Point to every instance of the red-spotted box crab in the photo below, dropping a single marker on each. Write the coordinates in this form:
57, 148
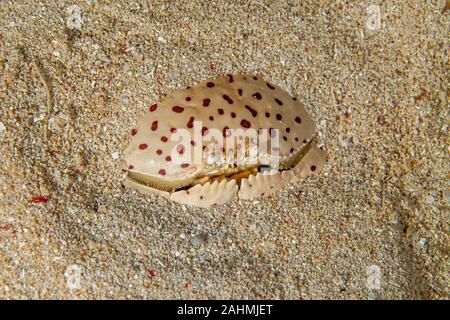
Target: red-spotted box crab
235, 135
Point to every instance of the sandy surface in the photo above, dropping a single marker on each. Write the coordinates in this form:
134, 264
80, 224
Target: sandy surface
71, 90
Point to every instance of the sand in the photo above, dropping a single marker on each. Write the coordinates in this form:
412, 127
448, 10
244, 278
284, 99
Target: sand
75, 76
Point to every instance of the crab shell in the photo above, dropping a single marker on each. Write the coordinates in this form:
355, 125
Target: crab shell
160, 162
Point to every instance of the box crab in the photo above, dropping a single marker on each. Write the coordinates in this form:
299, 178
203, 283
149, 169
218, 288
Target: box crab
217, 158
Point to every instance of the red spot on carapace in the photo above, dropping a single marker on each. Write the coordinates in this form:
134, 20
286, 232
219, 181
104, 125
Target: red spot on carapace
188, 99
230, 78
164, 139
240, 92
298, 120
220, 111
227, 99
211, 118
233, 115
288, 129
168, 158
252, 111
130, 167
184, 165
177, 109
210, 84
162, 172
257, 96
190, 123
154, 125
270, 86
173, 130
313, 168
143, 146
206, 102
245, 123
159, 151
153, 107
133, 132
278, 101
279, 117
267, 115
204, 131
